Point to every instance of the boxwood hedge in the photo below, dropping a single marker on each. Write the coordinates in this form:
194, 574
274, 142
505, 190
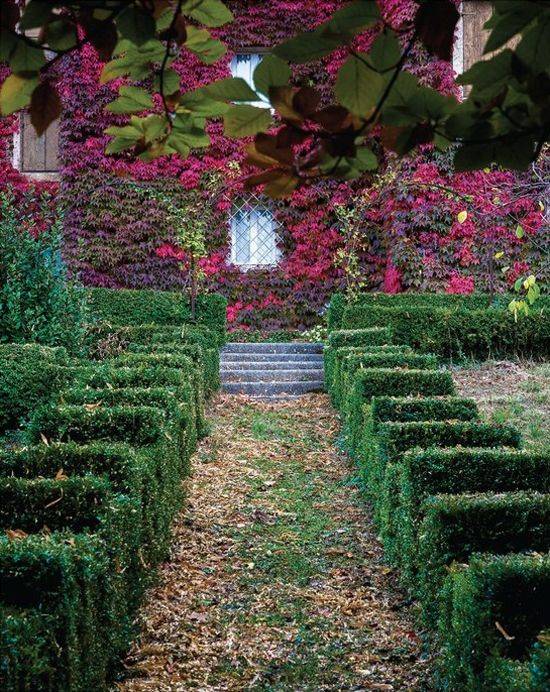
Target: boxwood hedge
379, 336
455, 526
494, 610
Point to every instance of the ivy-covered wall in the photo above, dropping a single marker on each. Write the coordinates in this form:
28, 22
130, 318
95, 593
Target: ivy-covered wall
409, 232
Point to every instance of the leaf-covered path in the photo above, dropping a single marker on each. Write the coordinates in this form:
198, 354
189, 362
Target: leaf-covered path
276, 581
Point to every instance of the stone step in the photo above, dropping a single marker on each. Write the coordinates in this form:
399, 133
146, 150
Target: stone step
264, 375
270, 389
290, 347
227, 358
271, 365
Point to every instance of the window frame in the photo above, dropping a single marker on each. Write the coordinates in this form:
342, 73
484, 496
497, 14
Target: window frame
250, 204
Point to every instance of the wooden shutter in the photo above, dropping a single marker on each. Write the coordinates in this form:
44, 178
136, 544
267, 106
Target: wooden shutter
39, 154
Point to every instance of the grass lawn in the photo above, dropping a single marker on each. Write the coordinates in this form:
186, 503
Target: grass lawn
511, 392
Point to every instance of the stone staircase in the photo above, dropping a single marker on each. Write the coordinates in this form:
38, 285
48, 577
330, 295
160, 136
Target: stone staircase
272, 371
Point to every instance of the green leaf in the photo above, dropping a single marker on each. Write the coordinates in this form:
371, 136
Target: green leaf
16, 93
61, 35
136, 25
271, 72
245, 120
190, 134
519, 232
176, 143
489, 75
462, 216
473, 157
309, 46
26, 58
119, 144
7, 43
534, 47
358, 88
153, 126
354, 17
230, 89
516, 153
507, 26
37, 14
200, 42
385, 52
211, 13
170, 83
202, 105
131, 100
366, 159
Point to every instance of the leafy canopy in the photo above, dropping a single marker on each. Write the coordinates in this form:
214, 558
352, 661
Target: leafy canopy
505, 119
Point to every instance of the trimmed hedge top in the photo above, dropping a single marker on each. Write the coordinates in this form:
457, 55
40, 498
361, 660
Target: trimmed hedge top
142, 306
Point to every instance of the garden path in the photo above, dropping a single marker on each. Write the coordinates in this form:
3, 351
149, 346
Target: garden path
276, 580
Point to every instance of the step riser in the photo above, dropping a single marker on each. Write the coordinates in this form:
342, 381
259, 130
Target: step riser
271, 357
271, 388
227, 366
272, 375
273, 348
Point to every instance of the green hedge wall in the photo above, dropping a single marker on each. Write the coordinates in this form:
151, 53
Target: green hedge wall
513, 591
455, 526
29, 376
444, 486
378, 336
142, 306
458, 332
371, 382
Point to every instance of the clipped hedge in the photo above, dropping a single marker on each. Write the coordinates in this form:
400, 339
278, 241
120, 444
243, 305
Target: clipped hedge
143, 375
513, 591
372, 382
143, 306
458, 332
343, 378
427, 472
455, 526
407, 409
341, 353
30, 375
379, 456
379, 336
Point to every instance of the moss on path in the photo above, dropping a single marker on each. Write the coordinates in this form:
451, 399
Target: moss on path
276, 581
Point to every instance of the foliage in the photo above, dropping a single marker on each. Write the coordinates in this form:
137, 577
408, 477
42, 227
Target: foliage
502, 121
37, 302
457, 332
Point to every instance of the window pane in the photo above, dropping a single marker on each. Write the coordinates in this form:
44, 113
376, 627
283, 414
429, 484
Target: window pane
253, 235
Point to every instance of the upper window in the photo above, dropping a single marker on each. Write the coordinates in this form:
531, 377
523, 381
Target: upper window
254, 234
243, 66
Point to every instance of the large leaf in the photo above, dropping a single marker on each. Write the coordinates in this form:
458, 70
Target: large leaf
435, 24
25, 58
534, 48
309, 46
230, 89
211, 13
131, 100
505, 26
136, 24
201, 105
355, 17
200, 42
358, 87
245, 120
16, 92
45, 106
271, 72
36, 14
489, 75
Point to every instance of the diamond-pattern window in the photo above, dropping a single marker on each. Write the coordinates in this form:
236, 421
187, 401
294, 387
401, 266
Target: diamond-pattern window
254, 233
243, 66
